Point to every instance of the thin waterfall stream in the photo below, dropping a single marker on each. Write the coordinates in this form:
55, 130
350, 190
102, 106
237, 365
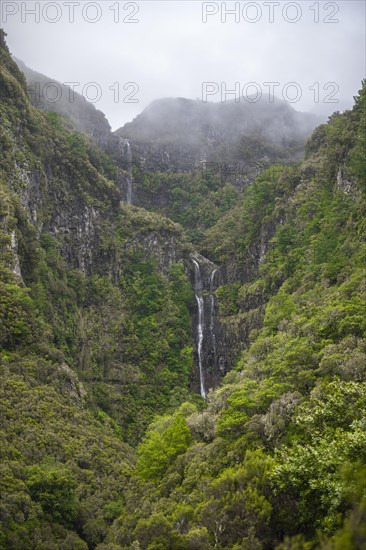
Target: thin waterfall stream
200, 325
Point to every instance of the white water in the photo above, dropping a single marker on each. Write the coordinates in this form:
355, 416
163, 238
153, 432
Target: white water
212, 312
200, 304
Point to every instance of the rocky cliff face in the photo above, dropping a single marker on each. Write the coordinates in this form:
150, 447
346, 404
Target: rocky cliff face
220, 337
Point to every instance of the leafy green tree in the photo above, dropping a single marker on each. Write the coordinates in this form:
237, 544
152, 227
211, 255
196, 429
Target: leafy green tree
162, 445
53, 486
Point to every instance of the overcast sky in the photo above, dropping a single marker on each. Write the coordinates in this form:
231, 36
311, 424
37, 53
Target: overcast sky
140, 51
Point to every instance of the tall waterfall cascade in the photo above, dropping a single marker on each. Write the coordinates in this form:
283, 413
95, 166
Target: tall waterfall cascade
205, 283
200, 304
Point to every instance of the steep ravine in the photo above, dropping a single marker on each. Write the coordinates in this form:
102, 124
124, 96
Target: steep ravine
92, 239
81, 227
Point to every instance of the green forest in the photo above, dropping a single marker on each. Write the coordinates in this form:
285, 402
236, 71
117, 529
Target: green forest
105, 442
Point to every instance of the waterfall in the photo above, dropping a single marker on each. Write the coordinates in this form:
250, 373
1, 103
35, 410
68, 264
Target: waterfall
212, 312
206, 280
200, 304
129, 178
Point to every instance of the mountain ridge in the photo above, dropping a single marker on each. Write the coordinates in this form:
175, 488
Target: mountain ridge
167, 109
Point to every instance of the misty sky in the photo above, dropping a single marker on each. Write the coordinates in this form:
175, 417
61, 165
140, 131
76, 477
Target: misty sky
170, 52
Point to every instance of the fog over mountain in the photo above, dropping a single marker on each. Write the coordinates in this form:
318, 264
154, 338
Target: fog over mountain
169, 49
186, 131
176, 118
181, 119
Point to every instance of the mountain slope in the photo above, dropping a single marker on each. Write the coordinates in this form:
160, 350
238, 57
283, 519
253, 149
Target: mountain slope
187, 131
50, 95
